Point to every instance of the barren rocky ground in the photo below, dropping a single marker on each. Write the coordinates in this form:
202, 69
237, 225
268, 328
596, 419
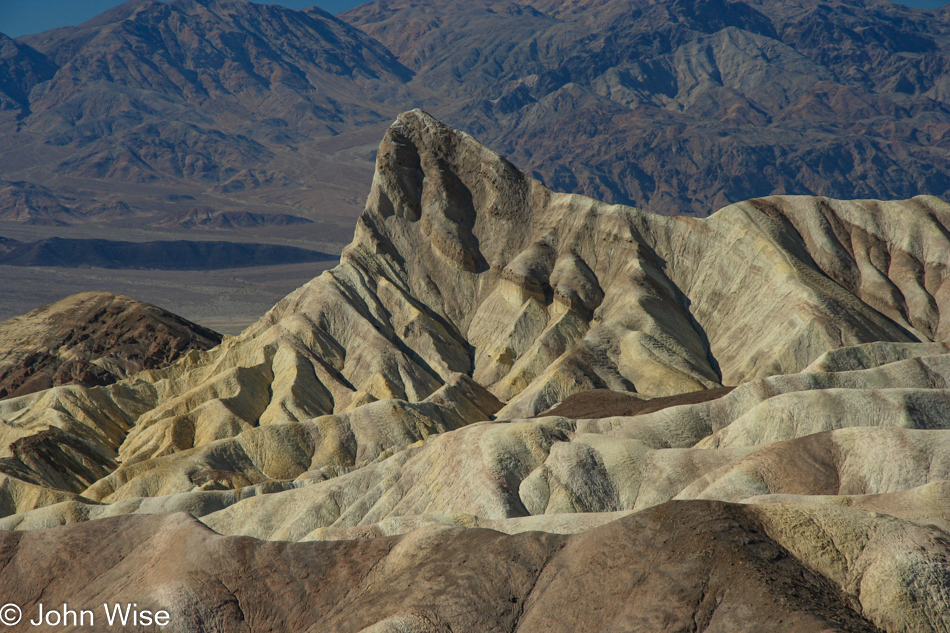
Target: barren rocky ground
411, 441
679, 362
92, 339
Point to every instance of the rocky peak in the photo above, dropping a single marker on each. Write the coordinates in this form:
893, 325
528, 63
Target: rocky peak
515, 267
21, 68
200, 49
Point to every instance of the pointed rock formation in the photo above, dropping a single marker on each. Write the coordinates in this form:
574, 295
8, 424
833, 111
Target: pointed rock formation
462, 265
400, 393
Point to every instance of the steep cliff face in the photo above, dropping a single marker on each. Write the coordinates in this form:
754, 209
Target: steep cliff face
396, 392
553, 290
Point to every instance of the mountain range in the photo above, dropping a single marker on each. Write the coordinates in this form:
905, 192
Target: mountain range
440, 434
155, 100
679, 362
687, 106
674, 107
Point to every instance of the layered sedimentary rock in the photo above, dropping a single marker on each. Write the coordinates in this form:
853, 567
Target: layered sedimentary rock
93, 338
424, 386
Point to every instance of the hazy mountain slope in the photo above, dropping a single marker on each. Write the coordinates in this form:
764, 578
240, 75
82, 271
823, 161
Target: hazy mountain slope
228, 57
688, 106
222, 100
209, 218
34, 204
673, 106
21, 68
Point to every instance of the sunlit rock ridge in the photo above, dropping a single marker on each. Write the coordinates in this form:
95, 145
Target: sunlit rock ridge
407, 387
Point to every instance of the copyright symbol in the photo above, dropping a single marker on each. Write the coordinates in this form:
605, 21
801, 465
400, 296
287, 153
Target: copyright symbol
10, 614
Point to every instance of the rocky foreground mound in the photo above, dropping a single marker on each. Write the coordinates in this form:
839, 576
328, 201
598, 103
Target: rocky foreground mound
389, 405
92, 338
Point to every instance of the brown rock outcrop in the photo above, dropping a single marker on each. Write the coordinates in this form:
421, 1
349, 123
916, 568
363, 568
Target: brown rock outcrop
92, 338
687, 564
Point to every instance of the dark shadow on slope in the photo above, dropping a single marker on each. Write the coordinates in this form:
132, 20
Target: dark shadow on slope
162, 255
604, 403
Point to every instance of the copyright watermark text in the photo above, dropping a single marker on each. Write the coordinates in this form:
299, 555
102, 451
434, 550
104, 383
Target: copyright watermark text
10, 614
129, 614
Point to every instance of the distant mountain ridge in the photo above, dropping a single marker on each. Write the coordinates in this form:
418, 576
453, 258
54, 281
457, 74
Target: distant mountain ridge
21, 68
199, 96
214, 219
676, 107
688, 105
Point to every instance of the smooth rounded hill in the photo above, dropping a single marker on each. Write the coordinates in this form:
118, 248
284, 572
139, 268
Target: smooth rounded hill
604, 403
92, 338
711, 567
208, 218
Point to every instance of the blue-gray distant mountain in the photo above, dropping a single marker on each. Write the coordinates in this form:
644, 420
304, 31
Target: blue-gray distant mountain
679, 106
21, 68
193, 96
686, 105
161, 255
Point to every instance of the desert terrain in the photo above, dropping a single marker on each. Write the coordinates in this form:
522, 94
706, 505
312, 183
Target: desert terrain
410, 442
154, 113
482, 316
